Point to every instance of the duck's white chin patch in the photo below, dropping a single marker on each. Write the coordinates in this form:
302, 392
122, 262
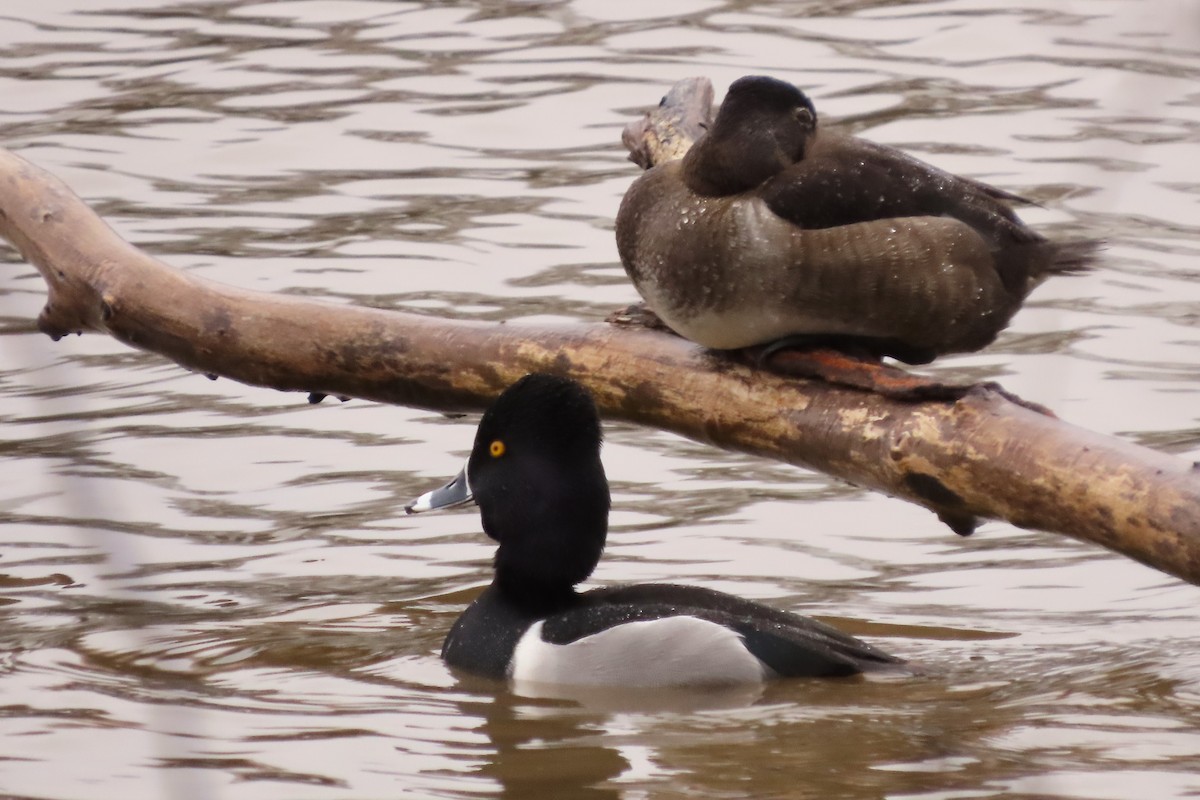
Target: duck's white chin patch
674, 651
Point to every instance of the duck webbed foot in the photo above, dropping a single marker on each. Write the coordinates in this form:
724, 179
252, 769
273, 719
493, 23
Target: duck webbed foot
638, 315
852, 362
858, 364
857, 369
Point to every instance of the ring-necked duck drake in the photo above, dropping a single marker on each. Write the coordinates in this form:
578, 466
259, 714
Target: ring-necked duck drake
536, 474
771, 227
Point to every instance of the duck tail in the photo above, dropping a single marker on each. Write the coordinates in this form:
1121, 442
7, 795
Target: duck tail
1074, 256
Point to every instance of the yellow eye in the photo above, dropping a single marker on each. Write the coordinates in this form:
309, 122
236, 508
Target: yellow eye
496, 448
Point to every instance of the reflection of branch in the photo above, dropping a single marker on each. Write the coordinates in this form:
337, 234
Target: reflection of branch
981, 456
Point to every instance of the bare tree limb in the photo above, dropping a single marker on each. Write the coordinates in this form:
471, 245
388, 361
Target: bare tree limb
981, 456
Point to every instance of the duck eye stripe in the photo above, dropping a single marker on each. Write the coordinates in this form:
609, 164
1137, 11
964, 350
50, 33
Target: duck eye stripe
496, 448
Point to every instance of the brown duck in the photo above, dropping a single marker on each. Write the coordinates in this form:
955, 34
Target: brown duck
772, 228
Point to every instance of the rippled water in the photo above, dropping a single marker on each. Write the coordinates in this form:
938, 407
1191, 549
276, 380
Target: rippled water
209, 590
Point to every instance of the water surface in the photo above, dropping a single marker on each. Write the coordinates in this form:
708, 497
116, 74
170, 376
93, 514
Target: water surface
209, 590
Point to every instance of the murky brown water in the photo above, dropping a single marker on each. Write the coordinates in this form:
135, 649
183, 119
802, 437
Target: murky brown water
209, 590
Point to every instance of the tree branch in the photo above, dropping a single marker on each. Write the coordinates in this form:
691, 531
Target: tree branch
981, 456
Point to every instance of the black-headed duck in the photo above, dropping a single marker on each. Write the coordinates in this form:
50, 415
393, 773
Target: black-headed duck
535, 472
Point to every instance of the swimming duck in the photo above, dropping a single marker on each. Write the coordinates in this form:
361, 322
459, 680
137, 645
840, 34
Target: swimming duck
772, 227
535, 472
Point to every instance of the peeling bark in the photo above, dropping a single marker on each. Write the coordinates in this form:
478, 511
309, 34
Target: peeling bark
981, 456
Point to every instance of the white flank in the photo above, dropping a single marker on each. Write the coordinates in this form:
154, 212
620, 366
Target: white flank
675, 651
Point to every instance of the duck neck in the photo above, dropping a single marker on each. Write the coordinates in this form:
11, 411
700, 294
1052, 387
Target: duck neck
547, 547
532, 597
547, 562
721, 163
719, 166
710, 171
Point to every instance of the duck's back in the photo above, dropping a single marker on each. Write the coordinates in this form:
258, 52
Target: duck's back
787, 644
668, 635
843, 179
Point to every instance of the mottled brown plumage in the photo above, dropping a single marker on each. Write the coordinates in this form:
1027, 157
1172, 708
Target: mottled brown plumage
772, 227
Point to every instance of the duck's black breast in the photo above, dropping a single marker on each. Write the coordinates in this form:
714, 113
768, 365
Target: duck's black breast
483, 638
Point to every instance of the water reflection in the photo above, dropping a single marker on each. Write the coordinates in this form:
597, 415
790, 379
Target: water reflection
544, 750
219, 579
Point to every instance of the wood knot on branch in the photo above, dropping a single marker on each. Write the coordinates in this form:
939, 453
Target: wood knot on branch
72, 306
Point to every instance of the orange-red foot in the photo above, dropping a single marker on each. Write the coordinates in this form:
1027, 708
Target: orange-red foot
867, 372
859, 372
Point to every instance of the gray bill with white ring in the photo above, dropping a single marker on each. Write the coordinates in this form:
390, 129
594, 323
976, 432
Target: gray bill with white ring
455, 493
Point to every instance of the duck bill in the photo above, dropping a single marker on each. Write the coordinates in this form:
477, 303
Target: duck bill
455, 493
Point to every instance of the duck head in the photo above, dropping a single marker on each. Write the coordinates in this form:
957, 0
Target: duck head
536, 474
764, 125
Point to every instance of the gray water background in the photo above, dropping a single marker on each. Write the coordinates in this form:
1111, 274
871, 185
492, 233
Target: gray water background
209, 590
